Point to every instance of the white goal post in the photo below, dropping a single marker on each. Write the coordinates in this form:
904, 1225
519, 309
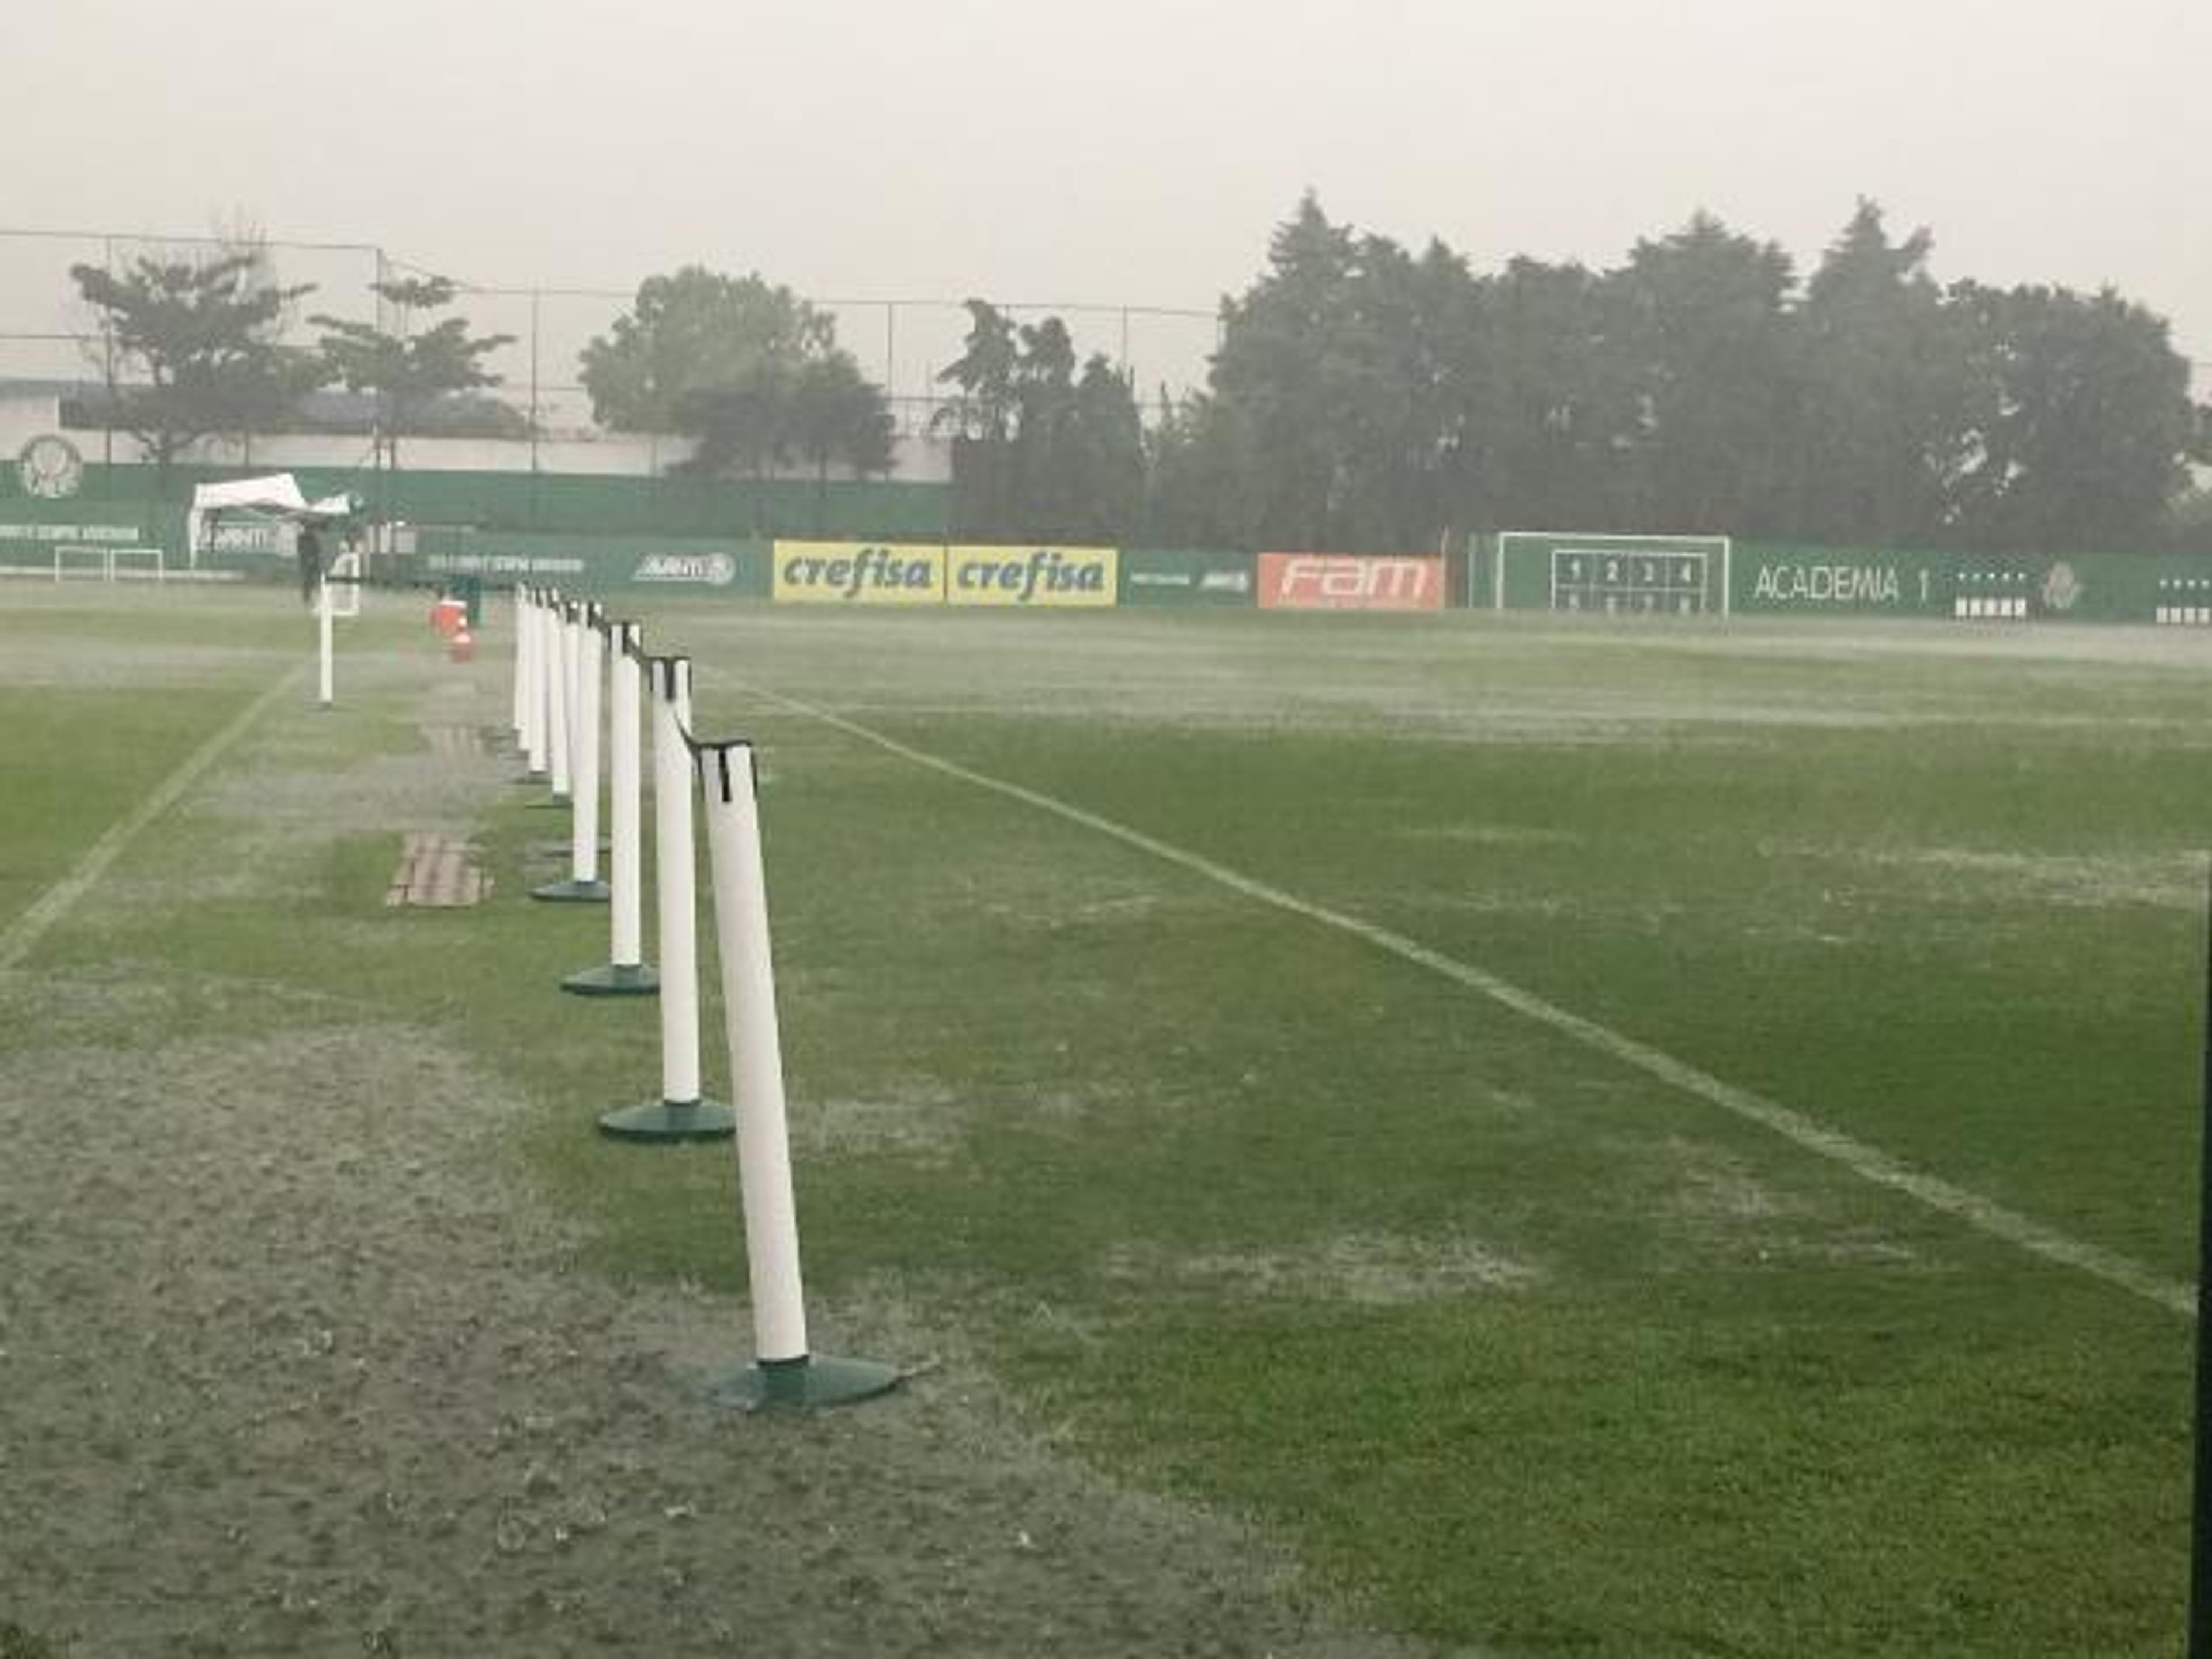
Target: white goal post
1610, 573
99, 559
103, 561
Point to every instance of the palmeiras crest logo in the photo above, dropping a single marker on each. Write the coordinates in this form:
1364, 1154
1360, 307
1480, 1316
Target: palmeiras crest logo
50, 467
2062, 588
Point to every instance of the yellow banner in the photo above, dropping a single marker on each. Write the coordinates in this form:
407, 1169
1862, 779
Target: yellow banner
859, 573
1030, 575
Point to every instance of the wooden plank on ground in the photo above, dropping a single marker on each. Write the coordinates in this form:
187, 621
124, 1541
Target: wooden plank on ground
436, 871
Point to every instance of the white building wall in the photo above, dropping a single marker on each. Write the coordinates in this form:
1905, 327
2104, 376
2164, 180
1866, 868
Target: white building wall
25, 417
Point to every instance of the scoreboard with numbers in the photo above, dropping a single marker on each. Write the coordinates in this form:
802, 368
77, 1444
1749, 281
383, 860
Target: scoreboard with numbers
1610, 573
1610, 581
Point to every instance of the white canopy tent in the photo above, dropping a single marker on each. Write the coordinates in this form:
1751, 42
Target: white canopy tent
277, 496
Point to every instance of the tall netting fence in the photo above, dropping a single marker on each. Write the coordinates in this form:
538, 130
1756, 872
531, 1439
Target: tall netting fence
903, 344
53, 343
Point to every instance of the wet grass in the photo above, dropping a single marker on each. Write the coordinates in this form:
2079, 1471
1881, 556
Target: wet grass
1732, 1398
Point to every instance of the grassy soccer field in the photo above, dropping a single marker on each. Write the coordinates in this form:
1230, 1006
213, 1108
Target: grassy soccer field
1602, 1139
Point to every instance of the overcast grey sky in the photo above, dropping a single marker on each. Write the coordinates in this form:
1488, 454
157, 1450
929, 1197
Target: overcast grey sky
1135, 153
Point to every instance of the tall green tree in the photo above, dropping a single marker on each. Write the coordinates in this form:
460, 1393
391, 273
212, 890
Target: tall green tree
1044, 483
1041, 452
1349, 379
1414, 369
1294, 377
744, 429
2089, 421
981, 419
836, 416
1885, 405
1702, 331
1194, 476
1106, 457
822, 412
414, 366
1553, 415
695, 330
193, 348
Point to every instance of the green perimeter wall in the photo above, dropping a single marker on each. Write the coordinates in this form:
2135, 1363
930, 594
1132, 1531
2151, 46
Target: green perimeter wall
2086, 588
736, 565
1772, 578
1163, 576
744, 566
606, 534
710, 508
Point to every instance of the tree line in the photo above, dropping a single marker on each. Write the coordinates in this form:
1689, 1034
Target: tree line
194, 348
1362, 397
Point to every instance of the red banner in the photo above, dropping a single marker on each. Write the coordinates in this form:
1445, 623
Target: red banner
1344, 581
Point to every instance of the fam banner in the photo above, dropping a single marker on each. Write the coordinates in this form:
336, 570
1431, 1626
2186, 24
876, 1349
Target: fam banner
1031, 575
1343, 581
859, 573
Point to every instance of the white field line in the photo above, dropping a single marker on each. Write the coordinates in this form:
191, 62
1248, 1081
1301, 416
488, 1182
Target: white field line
26, 931
1869, 1164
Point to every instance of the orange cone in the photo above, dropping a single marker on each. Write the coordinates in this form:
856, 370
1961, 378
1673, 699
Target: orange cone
464, 643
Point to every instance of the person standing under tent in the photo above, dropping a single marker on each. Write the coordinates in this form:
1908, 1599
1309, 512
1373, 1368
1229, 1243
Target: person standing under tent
309, 547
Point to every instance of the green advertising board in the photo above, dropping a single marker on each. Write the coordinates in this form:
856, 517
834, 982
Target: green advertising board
1839, 581
737, 566
2116, 588
573, 503
1168, 576
31, 530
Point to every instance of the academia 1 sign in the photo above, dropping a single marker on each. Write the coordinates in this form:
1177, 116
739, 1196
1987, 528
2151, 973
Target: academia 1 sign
1343, 581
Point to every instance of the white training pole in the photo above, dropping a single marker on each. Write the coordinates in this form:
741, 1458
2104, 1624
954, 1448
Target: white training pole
726, 775
675, 880
520, 702
580, 653
584, 818
561, 644
679, 1113
572, 656
323, 632
625, 926
534, 744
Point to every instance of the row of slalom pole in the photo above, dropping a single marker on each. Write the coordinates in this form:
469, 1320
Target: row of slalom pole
567, 653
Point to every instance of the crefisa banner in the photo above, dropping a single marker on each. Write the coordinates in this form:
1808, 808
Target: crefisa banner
1345, 582
910, 573
859, 573
1031, 575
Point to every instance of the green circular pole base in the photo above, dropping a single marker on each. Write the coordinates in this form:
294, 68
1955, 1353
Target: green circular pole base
615, 980
552, 803
573, 892
806, 1384
671, 1120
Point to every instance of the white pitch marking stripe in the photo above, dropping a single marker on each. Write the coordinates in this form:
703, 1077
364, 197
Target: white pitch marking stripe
26, 931
1868, 1162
